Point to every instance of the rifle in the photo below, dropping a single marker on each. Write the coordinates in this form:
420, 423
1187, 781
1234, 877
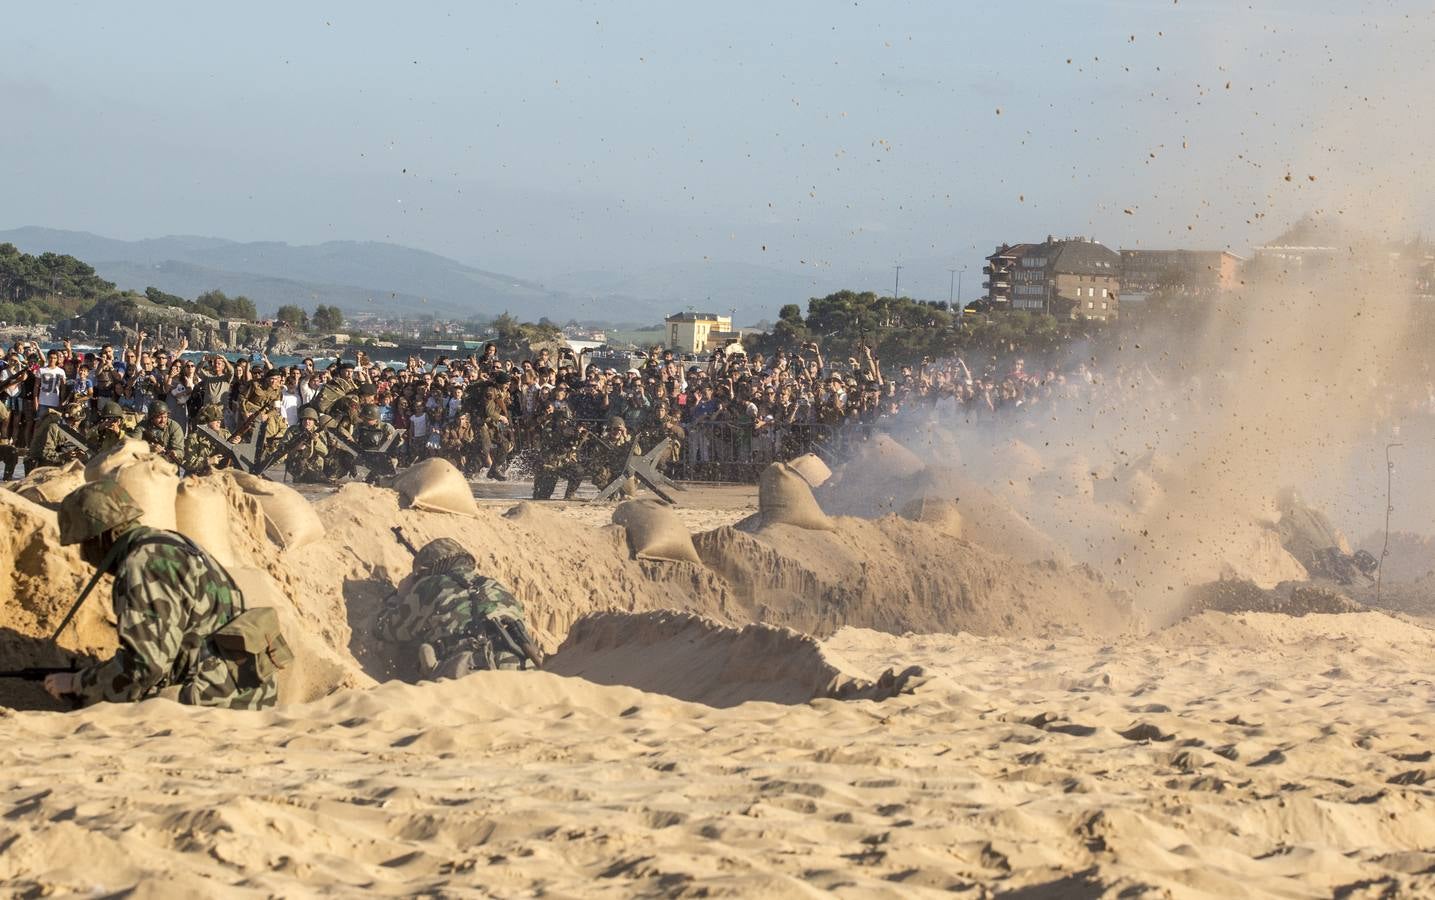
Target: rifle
403, 540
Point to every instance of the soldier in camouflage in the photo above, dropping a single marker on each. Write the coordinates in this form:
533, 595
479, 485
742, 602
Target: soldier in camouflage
561, 444
111, 430
201, 457
162, 433
174, 606
51, 446
305, 460
457, 620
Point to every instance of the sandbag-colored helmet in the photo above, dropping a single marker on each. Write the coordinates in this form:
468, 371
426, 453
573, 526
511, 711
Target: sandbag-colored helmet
211, 413
95, 508
441, 554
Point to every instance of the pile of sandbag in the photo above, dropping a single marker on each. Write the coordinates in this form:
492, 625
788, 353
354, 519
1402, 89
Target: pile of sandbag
436, 485
784, 497
289, 519
940, 513
47, 486
812, 469
654, 532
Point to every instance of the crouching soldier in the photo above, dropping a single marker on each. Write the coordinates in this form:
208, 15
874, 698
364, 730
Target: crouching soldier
456, 620
308, 451
162, 433
183, 626
201, 456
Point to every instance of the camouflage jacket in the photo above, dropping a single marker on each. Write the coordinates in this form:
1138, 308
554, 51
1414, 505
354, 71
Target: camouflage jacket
198, 450
169, 596
169, 439
444, 607
308, 453
49, 447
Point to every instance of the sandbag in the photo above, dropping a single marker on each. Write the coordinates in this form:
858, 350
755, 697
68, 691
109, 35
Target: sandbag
654, 531
884, 456
785, 498
153, 482
812, 469
201, 513
49, 485
436, 485
942, 515
117, 457
316, 669
289, 519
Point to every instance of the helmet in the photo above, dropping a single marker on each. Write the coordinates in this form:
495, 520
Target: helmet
370, 413
156, 407
211, 412
75, 409
442, 555
309, 413
95, 508
109, 409
616, 422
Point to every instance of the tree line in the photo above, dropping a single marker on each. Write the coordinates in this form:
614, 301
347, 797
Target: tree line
902, 331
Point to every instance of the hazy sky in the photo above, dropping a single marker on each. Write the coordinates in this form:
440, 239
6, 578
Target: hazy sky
541, 138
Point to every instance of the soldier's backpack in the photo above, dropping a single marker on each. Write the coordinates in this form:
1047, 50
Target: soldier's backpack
255, 635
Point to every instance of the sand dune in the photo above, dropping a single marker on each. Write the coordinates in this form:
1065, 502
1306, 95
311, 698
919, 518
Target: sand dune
1186, 766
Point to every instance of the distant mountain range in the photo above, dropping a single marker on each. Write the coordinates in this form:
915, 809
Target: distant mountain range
387, 278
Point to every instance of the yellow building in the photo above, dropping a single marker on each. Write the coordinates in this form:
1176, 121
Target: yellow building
695, 332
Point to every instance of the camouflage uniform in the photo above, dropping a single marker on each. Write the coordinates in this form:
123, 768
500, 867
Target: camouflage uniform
306, 458
259, 405
50, 447
370, 437
111, 430
199, 449
170, 599
460, 620
166, 439
559, 452
334, 390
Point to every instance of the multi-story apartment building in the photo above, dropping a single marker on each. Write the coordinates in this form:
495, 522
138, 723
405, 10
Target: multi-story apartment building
1073, 277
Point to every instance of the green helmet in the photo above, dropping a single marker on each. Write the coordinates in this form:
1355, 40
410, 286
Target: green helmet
309, 413
95, 508
370, 412
109, 409
442, 555
211, 413
156, 407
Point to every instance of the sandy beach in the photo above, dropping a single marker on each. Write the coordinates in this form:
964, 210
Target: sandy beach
1250, 756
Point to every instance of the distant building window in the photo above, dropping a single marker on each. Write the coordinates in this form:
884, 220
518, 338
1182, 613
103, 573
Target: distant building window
1090, 305
1103, 304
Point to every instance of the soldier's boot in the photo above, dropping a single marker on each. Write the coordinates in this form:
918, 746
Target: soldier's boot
543, 485
570, 490
427, 660
11, 458
495, 473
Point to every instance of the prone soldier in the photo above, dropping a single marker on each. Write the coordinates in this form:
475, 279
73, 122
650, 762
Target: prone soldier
456, 620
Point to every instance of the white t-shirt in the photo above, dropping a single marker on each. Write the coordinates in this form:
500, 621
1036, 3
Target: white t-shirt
289, 405
419, 422
52, 379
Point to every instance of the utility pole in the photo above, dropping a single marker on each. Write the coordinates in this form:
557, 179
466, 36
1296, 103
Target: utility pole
959, 286
896, 282
952, 287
